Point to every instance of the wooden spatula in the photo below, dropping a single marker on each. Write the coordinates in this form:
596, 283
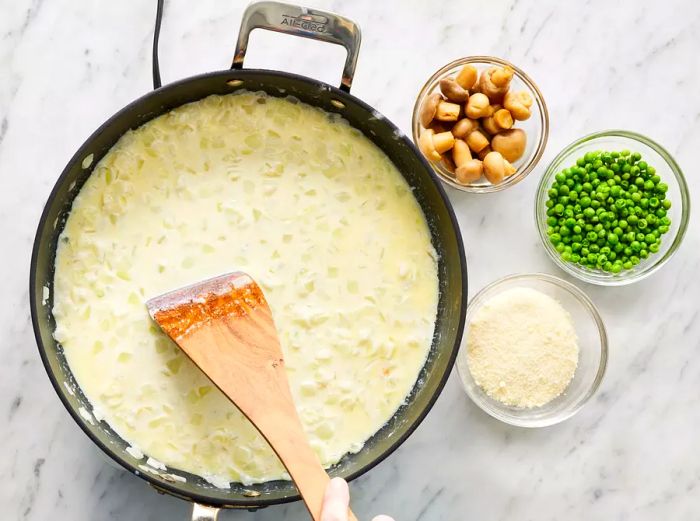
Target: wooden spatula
225, 326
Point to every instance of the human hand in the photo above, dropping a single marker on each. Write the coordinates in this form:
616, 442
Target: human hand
336, 502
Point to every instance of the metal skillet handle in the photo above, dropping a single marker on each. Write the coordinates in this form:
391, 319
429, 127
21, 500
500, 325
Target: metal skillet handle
305, 22
204, 513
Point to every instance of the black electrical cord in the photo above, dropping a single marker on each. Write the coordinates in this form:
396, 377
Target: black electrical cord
156, 36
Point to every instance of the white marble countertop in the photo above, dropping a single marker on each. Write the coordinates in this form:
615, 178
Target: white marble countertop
632, 453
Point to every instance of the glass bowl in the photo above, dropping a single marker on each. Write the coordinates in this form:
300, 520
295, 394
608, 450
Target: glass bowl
593, 352
669, 171
536, 127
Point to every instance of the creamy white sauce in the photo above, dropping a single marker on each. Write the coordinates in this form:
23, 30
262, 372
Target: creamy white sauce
306, 205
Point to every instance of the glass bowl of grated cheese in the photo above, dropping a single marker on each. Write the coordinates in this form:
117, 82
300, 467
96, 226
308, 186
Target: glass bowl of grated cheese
534, 350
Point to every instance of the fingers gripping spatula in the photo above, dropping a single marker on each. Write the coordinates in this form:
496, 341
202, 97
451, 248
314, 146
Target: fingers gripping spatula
225, 326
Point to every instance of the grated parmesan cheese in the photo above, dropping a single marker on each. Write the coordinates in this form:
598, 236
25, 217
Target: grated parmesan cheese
522, 348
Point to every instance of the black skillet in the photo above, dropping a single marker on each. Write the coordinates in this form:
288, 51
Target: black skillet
446, 238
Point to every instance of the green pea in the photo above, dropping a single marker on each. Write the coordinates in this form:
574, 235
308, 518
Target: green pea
608, 206
627, 265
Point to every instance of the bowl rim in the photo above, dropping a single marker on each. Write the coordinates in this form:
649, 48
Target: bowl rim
595, 277
524, 170
592, 310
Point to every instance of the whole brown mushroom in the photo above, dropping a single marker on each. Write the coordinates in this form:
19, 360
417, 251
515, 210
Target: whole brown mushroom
469, 172
510, 143
453, 91
428, 108
494, 167
495, 82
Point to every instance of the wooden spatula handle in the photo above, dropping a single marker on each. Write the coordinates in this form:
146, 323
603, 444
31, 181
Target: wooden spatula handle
301, 462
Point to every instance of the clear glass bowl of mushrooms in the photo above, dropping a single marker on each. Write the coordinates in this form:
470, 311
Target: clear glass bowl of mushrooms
482, 123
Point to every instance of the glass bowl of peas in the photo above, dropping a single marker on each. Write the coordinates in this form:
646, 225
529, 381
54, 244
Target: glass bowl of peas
612, 208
